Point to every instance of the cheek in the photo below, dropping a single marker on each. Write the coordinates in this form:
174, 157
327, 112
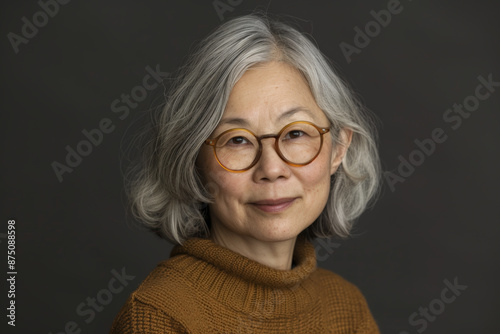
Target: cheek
318, 182
212, 178
224, 188
227, 189
316, 179
222, 185
228, 192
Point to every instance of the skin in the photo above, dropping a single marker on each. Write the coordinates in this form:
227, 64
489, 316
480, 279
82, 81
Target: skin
258, 99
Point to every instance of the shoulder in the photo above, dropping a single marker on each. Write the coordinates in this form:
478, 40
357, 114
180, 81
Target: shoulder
336, 284
137, 317
344, 302
160, 300
169, 284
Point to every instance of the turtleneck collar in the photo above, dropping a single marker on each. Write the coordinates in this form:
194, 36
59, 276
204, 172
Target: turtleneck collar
245, 285
235, 264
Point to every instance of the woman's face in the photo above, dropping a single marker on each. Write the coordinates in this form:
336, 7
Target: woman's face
244, 201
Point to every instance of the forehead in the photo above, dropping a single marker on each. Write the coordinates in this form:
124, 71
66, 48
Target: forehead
271, 94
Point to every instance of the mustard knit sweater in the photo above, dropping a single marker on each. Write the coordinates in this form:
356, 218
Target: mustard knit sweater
206, 288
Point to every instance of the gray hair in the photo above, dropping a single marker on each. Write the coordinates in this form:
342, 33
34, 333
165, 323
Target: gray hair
165, 187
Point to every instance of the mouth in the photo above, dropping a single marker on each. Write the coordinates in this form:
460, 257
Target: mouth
274, 205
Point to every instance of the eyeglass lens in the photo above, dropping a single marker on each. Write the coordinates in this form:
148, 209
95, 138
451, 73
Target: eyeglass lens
298, 143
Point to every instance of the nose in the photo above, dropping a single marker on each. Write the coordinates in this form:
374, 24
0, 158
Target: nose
270, 166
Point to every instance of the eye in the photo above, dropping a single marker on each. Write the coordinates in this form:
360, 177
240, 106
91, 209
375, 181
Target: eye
237, 141
294, 134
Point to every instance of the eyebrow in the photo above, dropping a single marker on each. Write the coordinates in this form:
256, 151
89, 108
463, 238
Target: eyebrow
285, 115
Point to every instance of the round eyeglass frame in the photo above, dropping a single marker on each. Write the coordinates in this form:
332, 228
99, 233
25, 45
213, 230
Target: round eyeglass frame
213, 142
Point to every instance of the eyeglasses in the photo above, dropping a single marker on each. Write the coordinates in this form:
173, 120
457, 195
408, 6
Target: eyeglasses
298, 144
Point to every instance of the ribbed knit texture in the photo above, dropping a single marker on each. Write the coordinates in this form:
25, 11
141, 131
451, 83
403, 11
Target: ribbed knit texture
206, 288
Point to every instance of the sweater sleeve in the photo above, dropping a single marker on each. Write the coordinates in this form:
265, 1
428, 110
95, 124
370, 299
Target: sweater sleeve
136, 317
367, 324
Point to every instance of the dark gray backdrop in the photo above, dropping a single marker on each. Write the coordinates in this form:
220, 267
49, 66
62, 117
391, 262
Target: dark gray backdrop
437, 225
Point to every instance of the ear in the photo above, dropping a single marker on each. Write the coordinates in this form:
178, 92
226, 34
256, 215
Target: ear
340, 149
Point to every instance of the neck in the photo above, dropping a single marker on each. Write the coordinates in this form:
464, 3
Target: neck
274, 254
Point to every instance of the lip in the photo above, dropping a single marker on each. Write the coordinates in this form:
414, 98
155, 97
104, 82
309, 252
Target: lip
274, 205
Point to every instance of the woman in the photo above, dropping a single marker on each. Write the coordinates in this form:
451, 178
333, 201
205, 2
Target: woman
259, 148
